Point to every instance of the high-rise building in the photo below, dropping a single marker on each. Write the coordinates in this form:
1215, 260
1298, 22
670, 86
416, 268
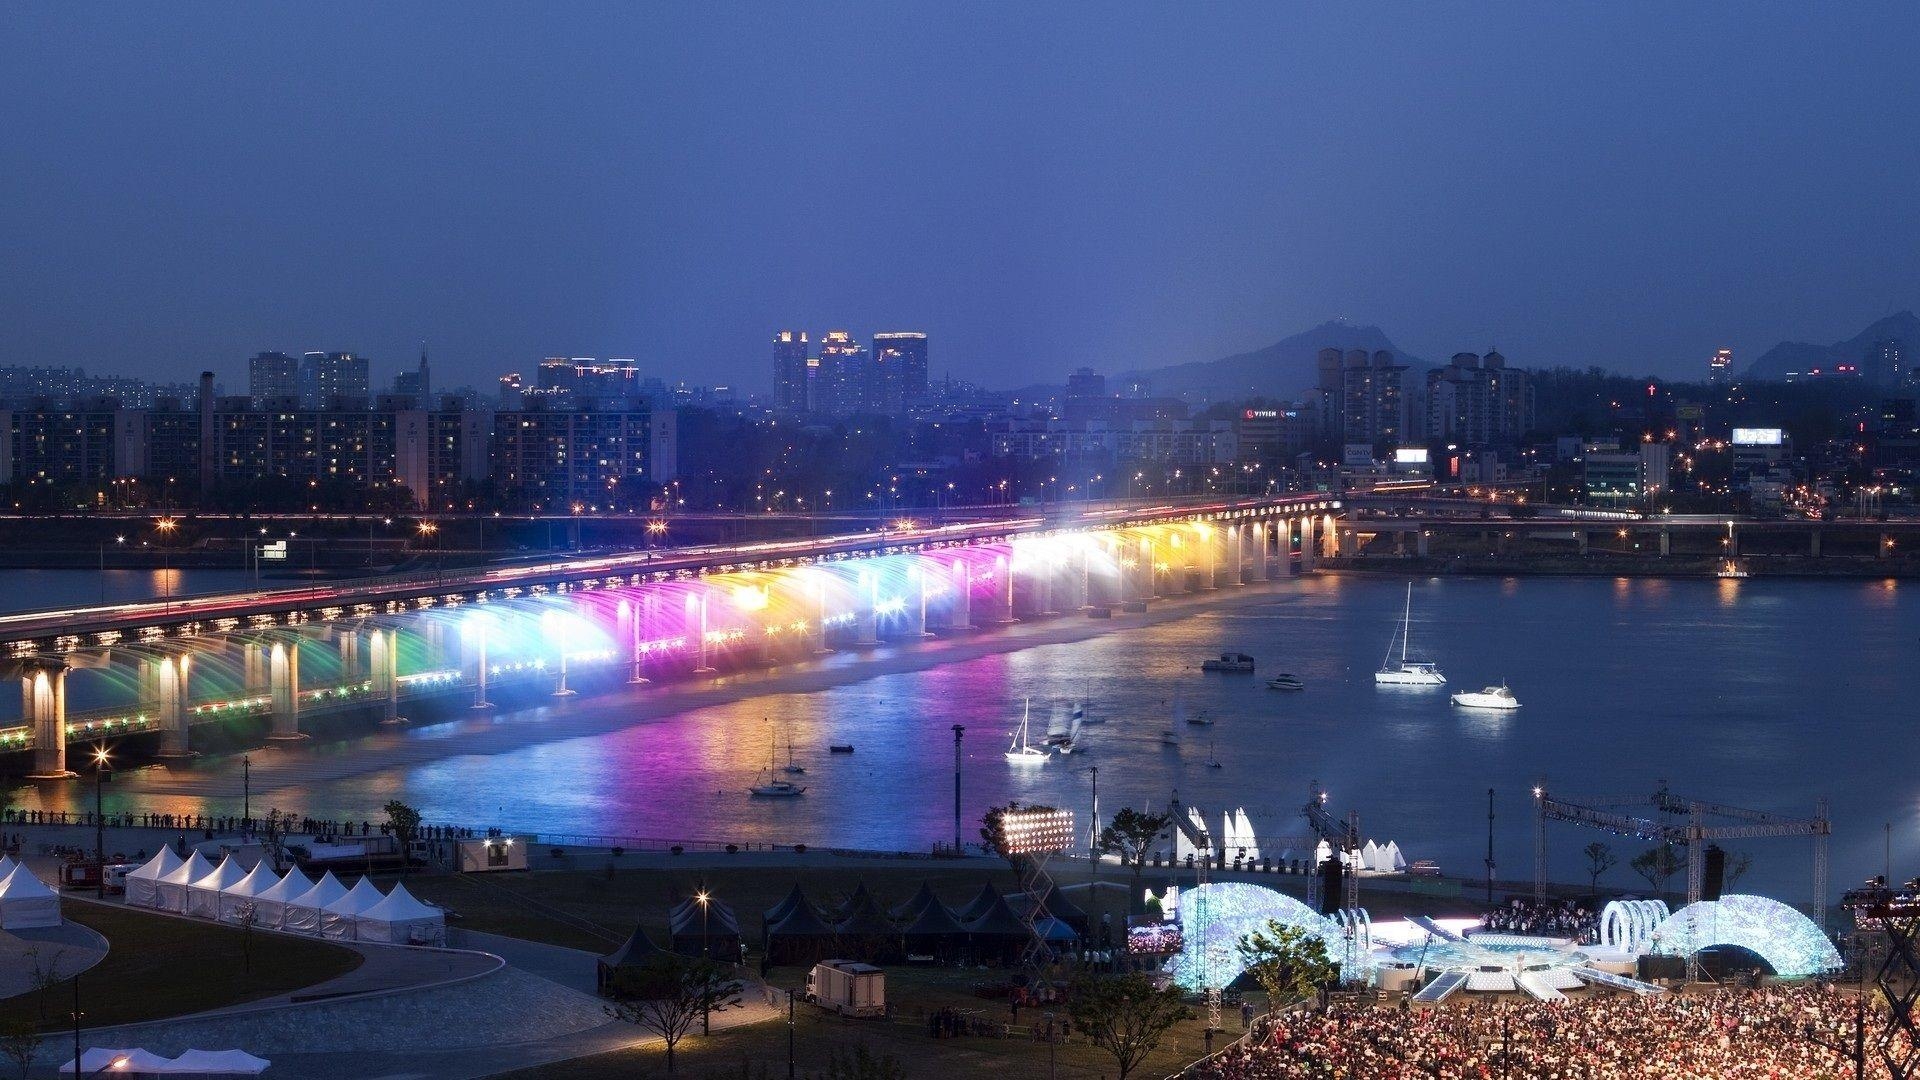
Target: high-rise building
1720, 367
1478, 402
841, 377
1373, 401
896, 372
273, 376
1886, 362
790, 371
335, 378
1330, 390
416, 384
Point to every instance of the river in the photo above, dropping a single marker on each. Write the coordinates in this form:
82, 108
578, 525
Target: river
1759, 693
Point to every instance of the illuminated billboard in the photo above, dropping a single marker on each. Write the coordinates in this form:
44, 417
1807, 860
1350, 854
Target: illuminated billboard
1758, 436
1410, 455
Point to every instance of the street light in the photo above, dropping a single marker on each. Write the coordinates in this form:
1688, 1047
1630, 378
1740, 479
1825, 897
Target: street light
706, 1011
99, 823
165, 527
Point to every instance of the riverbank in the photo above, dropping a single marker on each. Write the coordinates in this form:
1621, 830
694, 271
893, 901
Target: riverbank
1617, 565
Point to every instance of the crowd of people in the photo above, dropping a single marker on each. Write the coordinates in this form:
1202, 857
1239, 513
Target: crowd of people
1546, 918
224, 824
1730, 1034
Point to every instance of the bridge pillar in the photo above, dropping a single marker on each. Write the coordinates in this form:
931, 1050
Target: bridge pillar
477, 633
1178, 559
1309, 545
916, 609
283, 679
1148, 570
1422, 545
866, 620
1257, 568
1208, 556
1329, 537
43, 705
383, 671
349, 642
960, 608
631, 628
1083, 577
435, 635
1044, 572
170, 679
1666, 543
1813, 543
820, 616
699, 613
253, 664
1580, 535
1236, 554
1733, 544
1003, 588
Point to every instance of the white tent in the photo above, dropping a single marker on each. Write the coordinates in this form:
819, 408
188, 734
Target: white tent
25, 902
99, 1061
172, 894
270, 905
238, 901
401, 920
143, 883
203, 893
302, 914
217, 1063
338, 919
1370, 855
6, 865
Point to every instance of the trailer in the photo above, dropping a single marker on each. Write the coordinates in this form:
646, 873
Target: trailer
848, 987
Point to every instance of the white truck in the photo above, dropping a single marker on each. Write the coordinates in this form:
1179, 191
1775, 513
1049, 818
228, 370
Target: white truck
848, 987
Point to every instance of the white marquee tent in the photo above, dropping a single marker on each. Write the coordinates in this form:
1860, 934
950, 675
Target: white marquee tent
98, 1061
203, 893
339, 918
6, 864
172, 892
25, 902
302, 914
399, 919
238, 902
270, 906
143, 883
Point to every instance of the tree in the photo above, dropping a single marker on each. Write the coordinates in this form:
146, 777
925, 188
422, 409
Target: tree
19, 1040
1657, 865
684, 991
404, 820
1600, 859
994, 835
1287, 962
1125, 1015
1132, 837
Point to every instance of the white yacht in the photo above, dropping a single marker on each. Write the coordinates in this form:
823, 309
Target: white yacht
1493, 697
1405, 671
1022, 751
1286, 682
775, 789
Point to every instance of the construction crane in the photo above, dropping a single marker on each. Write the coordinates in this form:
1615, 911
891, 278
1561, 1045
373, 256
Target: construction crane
1698, 829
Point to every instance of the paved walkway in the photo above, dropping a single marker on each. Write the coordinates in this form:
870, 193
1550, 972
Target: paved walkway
28, 956
539, 1008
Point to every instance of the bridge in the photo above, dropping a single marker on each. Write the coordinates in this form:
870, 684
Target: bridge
368, 644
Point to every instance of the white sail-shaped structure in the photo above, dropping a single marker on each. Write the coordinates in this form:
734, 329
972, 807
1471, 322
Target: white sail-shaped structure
1190, 837
1246, 844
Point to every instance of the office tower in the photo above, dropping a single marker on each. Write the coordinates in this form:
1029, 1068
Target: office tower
1720, 367
790, 370
841, 376
273, 376
896, 372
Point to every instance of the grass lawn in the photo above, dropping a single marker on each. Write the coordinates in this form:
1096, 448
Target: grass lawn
748, 1051
157, 967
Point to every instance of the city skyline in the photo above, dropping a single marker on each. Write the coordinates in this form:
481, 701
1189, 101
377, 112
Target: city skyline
1229, 191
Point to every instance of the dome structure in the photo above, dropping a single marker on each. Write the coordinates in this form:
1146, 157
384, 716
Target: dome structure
1788, 941
1215, 917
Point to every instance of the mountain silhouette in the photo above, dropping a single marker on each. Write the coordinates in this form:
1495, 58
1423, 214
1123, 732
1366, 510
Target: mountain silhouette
1285, 369
1790, 357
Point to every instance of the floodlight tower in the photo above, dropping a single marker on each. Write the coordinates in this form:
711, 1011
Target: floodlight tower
1035, 836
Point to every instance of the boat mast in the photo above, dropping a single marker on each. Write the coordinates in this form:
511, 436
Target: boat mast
1406, 626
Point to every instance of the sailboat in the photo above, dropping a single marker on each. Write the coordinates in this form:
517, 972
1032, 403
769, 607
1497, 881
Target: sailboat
1080, 715
1213, 758
1023, 752
775, 789
1072, 743
1058, 732
792, 769
1405, 672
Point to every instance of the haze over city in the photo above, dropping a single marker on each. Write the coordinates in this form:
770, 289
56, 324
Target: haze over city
1631, 185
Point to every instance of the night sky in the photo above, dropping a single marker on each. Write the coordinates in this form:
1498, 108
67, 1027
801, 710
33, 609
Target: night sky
1036, 186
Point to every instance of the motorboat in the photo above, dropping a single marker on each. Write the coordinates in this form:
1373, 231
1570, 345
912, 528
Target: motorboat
1493, 697
1286, 682
1022, 751
774, 788
1406, 671
839, 748
1233, 663
1169, 737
